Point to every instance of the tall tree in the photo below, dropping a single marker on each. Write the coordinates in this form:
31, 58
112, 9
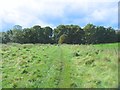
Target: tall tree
90, 32
5, 37
47, 34
26, 35
74, 33
58, 31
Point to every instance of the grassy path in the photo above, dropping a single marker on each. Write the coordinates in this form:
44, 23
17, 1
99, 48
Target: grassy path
65, 75
59, 74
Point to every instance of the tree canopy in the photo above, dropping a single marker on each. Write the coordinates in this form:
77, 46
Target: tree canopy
69, 34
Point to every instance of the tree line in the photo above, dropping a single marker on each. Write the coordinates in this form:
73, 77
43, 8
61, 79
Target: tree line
69, 34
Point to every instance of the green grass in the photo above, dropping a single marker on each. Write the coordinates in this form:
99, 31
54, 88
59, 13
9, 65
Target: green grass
59, 66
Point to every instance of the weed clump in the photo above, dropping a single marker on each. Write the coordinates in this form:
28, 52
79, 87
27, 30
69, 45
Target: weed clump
107, 59
76, 54
89, 62
27, 49
73, 85
24, 72
13, 54
19, 48
24, 47
97, 52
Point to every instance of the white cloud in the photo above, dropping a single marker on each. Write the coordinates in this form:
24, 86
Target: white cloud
30, 12
101, 13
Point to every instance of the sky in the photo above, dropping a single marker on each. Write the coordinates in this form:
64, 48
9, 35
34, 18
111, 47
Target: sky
28, 13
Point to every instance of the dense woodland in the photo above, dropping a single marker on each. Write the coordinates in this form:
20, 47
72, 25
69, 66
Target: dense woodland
69, 34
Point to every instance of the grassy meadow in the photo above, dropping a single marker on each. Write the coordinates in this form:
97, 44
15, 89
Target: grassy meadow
59, 66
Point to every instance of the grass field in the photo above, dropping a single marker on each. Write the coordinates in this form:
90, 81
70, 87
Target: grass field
59, 66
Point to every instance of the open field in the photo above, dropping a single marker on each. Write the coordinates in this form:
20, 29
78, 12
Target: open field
59, 66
